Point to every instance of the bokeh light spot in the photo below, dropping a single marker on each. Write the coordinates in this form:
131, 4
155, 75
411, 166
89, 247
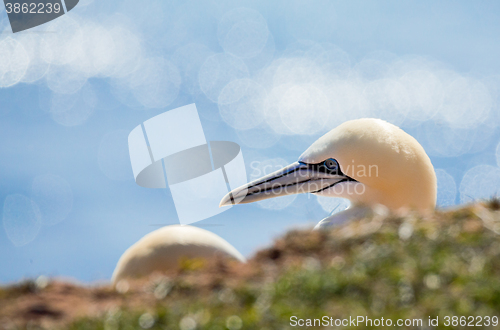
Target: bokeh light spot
21, 219
54, 197
480, 182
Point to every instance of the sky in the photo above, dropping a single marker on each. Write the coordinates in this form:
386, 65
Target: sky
270, 76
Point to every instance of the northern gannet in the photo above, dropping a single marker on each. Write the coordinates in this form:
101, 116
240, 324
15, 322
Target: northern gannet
162, 249
368, 161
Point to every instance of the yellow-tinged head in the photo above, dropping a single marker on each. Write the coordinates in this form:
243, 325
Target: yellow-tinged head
391, 165
366, 160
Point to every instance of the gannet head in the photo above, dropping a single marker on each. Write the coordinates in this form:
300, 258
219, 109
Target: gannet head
367, 161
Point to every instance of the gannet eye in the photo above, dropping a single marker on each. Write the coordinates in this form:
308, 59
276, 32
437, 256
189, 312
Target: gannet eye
331, 164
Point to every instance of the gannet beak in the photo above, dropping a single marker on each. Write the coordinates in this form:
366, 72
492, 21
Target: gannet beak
295, 178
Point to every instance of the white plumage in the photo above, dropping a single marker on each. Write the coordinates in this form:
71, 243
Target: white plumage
368, 161
162, 249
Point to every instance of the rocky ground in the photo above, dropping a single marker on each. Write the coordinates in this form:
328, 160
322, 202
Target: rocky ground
405, 266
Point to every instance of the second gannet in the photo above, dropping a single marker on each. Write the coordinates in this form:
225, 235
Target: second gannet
368, 161
163, 249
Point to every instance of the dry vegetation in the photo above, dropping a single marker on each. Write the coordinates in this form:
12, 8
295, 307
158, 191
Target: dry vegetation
392, 266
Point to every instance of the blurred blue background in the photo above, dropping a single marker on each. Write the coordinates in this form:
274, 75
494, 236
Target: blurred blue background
272, 77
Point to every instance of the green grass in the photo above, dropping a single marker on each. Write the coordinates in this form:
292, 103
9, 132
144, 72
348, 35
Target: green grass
395, 267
